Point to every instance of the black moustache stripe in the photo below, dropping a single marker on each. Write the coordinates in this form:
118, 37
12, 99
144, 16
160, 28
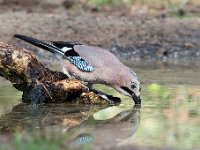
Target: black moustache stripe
127, 90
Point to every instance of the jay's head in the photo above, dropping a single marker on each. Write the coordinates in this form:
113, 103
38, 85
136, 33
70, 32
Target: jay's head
129, 85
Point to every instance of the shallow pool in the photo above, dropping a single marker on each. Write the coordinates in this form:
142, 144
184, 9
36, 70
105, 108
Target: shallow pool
168, 118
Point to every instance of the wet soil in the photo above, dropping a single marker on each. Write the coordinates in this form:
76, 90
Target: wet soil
129, 37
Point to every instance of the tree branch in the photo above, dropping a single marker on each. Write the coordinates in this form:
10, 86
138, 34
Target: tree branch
39, 84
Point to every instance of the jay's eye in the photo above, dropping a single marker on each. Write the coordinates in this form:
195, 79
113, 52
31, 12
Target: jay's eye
133, 85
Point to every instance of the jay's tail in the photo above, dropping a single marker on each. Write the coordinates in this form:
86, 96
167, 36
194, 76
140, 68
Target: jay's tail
39, 43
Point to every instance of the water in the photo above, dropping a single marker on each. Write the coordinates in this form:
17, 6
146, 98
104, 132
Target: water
169, 116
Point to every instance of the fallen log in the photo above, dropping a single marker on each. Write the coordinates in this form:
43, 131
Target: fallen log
40, 84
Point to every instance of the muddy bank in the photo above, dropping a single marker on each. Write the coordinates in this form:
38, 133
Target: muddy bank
128, 37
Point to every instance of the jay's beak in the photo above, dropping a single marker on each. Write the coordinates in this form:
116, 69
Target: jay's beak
136, 99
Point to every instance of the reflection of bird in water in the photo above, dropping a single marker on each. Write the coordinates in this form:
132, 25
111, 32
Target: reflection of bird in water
83, 138
108, 132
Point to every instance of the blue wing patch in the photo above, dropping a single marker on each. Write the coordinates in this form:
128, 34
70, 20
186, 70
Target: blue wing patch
80, 63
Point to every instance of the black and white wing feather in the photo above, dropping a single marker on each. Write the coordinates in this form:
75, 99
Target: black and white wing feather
66, 49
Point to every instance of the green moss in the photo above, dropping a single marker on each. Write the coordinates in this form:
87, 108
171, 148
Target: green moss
31, 143
100, 3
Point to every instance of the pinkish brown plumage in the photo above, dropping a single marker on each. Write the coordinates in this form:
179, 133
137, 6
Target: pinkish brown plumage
92, 64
